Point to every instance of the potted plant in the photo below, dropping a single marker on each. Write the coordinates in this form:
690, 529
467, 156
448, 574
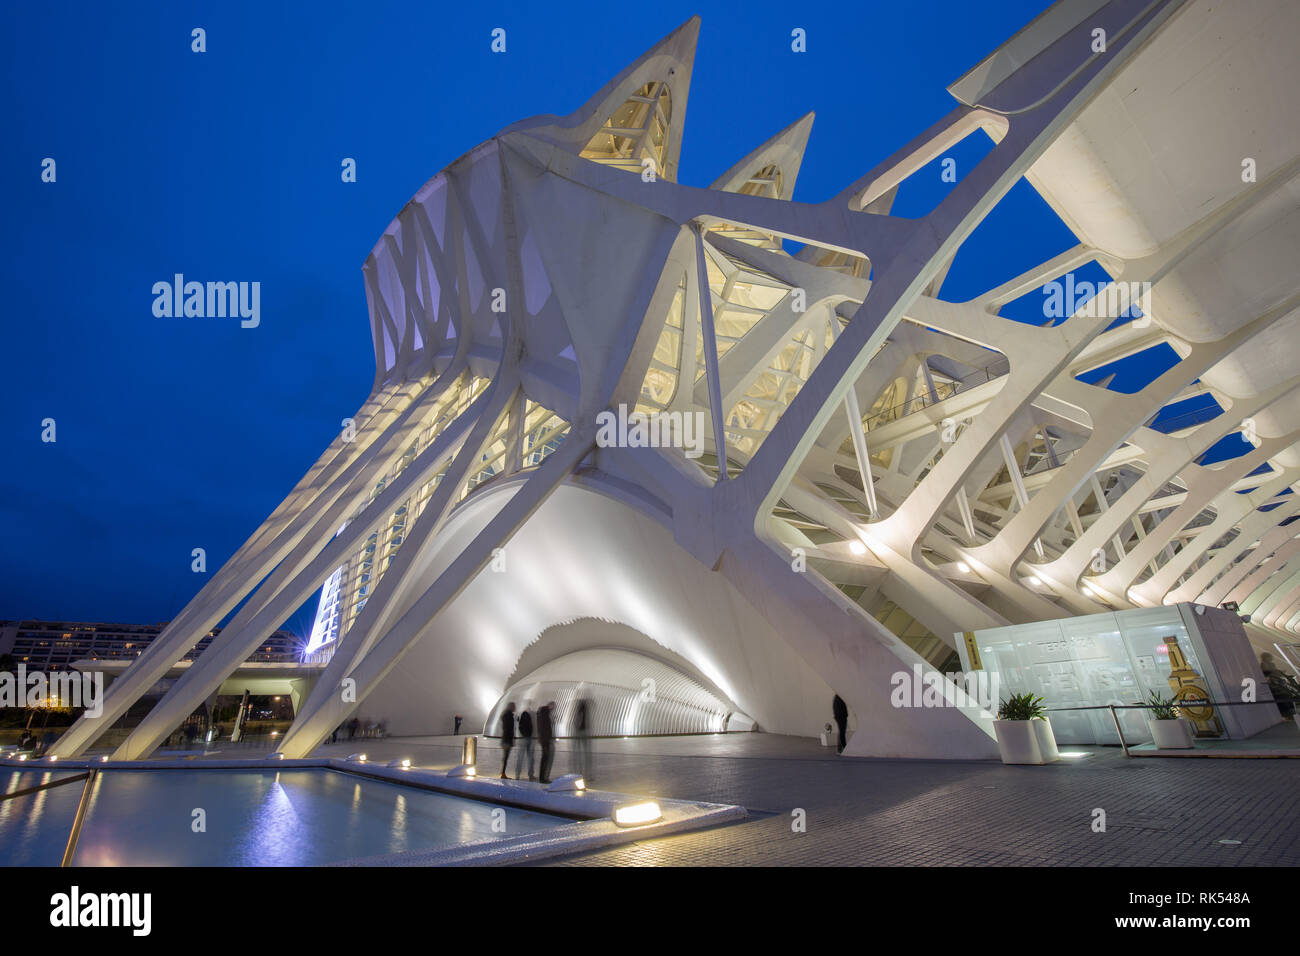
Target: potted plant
1168, 729
1023, 731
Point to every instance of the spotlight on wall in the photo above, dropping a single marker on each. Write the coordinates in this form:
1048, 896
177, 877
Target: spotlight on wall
858, 548
637, 814
1034, 579
1087, 590
401, 763
963, 567
567, 784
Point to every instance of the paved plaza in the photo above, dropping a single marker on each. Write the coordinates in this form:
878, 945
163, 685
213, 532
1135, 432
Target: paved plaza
1157, 812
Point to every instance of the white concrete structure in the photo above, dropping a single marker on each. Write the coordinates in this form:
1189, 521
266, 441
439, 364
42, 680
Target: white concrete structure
882, 468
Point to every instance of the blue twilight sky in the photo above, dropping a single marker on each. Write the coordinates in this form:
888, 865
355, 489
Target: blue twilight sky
181, 433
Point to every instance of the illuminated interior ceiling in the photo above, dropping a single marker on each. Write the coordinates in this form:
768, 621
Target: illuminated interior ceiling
881, 467
627, 694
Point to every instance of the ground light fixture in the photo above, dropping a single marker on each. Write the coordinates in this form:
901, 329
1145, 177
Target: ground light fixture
463, 770
356, 758
275, 756
401, 763
637, 814
569, 783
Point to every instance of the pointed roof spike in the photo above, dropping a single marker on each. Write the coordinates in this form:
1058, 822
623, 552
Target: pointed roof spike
784, 151
669, 61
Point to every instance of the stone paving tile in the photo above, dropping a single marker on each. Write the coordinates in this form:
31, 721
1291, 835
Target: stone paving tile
1166, 812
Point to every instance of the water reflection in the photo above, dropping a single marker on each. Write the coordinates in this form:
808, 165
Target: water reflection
253, 818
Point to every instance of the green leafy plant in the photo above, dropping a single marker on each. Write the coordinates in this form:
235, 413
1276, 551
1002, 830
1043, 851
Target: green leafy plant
1162, 708
1022, 707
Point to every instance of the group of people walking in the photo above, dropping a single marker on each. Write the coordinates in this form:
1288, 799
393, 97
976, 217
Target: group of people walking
518, 730
356, 727
523, 724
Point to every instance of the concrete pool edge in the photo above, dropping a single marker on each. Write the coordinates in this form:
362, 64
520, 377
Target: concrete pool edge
582, 837
591, 810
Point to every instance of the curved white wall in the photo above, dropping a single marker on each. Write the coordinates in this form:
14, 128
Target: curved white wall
627, 693
586, 555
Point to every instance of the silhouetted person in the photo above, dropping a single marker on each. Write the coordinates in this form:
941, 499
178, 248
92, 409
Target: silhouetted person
546, 737
353, 726
456, 731
582, 730
841, 711
525, 746
507, 737
26, 741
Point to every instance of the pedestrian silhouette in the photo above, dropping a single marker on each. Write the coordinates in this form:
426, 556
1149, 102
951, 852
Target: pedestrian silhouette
582, 731
841, 711
507, 737
546, 738
525, 746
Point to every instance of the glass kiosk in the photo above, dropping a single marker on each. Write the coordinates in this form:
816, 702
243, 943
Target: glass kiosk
1120, 658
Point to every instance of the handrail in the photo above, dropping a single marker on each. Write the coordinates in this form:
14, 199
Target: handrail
956, 386
1198, 701
1191, 702
44, 786
80, 818
1175, 423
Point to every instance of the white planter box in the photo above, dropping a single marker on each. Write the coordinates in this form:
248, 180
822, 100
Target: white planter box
1170, 734
1018, 741
1046, 740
